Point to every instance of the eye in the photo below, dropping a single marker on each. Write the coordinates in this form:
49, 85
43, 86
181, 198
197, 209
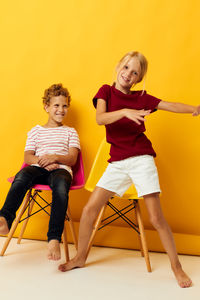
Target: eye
135, 73
65, 106
125, 67
56, 105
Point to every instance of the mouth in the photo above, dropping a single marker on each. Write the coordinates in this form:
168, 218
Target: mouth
125, 79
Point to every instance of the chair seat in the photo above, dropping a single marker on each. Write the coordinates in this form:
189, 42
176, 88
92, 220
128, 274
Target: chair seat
45, 187
42, 187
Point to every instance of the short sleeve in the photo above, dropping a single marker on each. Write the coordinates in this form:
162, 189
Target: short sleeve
151, 102
31, 140
74, 139
103, 93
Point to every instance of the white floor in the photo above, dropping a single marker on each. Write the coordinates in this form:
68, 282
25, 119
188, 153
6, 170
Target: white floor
25, 273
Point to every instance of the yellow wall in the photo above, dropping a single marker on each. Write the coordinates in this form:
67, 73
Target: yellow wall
79, 43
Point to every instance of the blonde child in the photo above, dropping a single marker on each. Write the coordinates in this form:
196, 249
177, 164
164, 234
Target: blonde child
51, 150
122, 111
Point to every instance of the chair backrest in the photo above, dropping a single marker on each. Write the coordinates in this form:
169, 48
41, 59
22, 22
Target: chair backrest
99, 165
78, 175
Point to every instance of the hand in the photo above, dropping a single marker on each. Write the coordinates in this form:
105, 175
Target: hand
136, 115
46, 159
197, 111
52, 167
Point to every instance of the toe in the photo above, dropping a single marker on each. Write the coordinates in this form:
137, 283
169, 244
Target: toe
62, 268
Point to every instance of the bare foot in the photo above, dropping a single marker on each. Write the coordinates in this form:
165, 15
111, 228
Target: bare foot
3, 226
54, 250
183, 280
72, 264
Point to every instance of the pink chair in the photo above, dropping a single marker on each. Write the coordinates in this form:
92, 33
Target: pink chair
28, 202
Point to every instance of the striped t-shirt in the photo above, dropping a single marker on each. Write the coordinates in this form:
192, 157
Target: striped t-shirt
55, 140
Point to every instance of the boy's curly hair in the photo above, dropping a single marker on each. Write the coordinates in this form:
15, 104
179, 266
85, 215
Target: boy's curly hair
56, 90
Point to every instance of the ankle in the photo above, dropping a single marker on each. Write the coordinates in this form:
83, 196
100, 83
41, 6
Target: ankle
80, 258
4, 228
176, 266
54, 241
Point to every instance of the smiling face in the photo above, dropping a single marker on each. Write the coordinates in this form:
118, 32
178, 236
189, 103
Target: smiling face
57, 109
128, 75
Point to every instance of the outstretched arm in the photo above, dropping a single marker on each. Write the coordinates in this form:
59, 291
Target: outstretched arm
103, 117
179, 108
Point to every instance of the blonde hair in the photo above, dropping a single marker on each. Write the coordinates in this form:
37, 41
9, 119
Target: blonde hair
55, 90
142, 60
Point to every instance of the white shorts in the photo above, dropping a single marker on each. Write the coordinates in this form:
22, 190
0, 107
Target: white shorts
139, 170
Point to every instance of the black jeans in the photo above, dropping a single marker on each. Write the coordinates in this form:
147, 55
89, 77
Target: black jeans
59, 180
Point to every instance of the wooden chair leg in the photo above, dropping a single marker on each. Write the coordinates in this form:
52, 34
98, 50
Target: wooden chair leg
25, 222
15, 223
95, 228
143, 238
71, 224
139, 236
65, 243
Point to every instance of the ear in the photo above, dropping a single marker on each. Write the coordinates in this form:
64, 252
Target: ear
46, 107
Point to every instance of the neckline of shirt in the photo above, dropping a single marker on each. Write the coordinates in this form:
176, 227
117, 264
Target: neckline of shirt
63, 126
133, 93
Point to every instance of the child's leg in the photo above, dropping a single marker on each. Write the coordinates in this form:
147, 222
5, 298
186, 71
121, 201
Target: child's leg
23, 181
59, 181
157, 219
3, 226
97, 200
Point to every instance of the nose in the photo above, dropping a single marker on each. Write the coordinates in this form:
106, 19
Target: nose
61, 109
128, 73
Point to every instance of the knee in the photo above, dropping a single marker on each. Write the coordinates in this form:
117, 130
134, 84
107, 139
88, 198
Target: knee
60, 182
22, 177
89, 212
158, 221
60, 186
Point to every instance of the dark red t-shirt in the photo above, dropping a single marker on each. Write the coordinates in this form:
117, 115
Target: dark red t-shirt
125, 136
